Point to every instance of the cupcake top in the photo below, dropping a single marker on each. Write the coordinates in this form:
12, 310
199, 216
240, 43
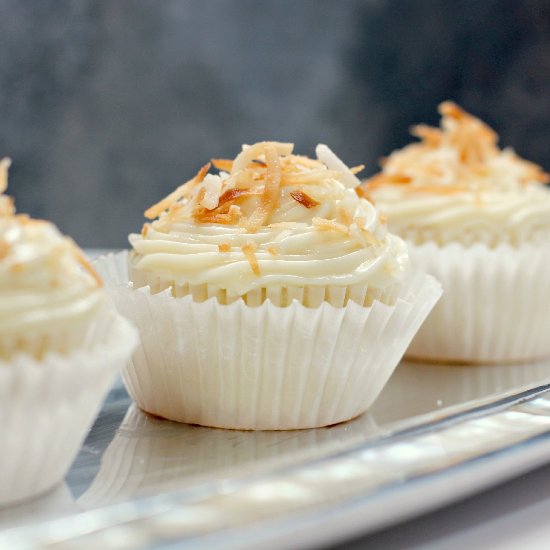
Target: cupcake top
270, 217
456, 184
44, 276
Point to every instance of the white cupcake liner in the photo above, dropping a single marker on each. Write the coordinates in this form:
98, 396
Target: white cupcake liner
47, 406
265, 367
495, 306
149, 454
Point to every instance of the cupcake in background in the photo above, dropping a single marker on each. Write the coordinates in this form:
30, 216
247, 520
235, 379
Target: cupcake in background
60, 346
478, 219
268, 296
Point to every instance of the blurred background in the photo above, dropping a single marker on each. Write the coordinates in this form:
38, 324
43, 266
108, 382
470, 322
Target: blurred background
107, 105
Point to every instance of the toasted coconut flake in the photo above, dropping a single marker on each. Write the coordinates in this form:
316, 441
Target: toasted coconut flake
383, 219
174, 211
5, 164
332, 162
249, 179
387, 179
23, 219
248, 250
533, 172
176, 195
452, 110
231, 217
357, 169
272, 186
304, 199
200, 197
233, 194
295, 162
212, 186
235, 212
224, 165
4, 249
201, 174
328, 225
363, 193
470, 133
309, 177
250, 153
145, 230
7, 206
431, 136
363, 234
224, 247
272, 250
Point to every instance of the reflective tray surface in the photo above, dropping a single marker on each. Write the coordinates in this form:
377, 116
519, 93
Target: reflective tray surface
437, 431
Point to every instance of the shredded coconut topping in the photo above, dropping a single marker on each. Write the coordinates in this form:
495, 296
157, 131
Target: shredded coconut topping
270, 217
461, 155
457, 185
20, 234
255, 181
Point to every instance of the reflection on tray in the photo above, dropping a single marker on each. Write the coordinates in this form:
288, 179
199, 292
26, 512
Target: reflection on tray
149, 455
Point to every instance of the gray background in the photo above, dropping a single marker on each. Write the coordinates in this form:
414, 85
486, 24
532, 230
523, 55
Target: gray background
107, 105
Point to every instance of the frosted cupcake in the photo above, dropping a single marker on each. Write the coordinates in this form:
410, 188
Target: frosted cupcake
477, 218
60, 346
268, 296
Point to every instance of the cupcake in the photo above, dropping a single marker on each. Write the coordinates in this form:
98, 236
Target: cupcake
267, 296
478, 219
60, 346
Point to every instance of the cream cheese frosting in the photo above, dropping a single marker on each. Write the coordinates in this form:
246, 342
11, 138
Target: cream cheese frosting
44, 278
270, 218
458, 185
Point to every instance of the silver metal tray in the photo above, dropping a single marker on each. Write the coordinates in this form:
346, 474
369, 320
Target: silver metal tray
436, 433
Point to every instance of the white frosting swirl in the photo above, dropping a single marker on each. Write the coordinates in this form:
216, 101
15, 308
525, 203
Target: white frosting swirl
317, 231
42, 280
457, 185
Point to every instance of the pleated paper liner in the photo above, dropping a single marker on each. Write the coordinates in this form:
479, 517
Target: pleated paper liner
149, 454
266, 367
48, 405
495, 306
